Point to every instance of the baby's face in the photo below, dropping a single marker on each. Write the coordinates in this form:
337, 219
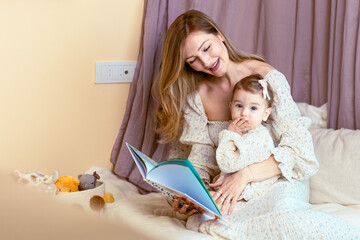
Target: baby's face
251, 107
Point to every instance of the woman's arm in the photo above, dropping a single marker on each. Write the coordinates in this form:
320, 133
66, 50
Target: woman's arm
295, 149
264, 170
232, 186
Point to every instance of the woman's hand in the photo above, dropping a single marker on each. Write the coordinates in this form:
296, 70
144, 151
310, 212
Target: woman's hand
184, 206
240, 126
231, 188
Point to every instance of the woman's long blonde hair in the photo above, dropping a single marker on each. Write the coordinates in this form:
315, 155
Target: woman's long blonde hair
177, 79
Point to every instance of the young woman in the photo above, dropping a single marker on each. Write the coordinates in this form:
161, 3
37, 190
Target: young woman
199, 70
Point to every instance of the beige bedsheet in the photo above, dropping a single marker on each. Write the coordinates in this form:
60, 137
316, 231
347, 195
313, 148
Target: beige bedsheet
151, 214
25, 214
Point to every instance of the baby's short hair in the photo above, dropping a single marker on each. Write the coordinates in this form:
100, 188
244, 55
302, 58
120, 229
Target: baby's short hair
251, 84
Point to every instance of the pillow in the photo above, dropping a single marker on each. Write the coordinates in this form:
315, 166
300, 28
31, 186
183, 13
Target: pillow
318, 115
338, 179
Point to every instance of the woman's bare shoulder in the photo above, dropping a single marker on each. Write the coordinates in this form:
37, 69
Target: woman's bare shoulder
261, 68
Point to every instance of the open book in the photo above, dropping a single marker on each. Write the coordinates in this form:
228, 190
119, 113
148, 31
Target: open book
175, 178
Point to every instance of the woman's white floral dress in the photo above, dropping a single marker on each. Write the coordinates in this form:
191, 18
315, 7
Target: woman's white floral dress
282, 211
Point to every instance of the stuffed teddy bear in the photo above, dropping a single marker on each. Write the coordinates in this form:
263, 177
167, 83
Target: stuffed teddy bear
66, 184
88, 181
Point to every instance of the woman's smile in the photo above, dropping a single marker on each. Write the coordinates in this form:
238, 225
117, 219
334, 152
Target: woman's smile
216, 65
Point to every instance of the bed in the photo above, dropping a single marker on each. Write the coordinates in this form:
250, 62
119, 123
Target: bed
334, 189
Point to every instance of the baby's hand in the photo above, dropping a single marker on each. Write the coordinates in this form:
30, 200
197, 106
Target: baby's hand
240, 126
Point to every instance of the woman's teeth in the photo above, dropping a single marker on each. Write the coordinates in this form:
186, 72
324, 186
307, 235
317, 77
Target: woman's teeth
214, 65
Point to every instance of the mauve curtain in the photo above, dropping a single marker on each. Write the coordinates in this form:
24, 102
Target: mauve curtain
314, 43
344, 65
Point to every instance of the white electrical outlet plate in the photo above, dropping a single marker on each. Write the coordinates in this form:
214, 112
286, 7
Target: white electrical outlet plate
115, 72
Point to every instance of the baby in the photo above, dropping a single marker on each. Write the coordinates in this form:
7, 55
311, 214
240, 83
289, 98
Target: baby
250, 103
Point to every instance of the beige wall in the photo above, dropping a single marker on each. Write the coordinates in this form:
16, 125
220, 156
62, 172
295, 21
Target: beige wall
53, 115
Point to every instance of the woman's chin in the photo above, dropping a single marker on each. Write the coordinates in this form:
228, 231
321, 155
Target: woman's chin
219, 73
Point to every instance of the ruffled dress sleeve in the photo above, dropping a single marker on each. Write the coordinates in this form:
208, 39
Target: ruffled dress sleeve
295, 149
196, 134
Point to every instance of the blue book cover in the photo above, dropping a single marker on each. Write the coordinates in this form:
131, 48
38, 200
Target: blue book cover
175, 178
